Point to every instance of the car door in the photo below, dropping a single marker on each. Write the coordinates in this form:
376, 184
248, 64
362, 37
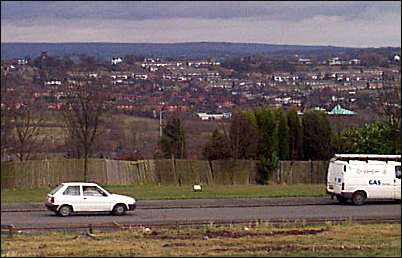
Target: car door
397, 183
95, 199
72, 196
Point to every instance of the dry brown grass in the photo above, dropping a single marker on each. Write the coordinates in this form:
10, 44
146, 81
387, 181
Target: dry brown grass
256, 240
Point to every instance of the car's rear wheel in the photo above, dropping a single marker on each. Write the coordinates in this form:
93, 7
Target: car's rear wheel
65, 210
119, 209
359, 198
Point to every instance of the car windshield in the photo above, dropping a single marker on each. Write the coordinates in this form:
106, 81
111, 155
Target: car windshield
107, 190
57, 188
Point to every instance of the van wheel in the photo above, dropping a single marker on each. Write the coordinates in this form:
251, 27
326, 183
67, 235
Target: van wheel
65, 210
119, 209
359, 198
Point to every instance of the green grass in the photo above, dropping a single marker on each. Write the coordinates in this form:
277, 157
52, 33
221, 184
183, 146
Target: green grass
231, 240
152, 192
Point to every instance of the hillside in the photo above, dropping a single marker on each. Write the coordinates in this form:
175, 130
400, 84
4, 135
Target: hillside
189, 50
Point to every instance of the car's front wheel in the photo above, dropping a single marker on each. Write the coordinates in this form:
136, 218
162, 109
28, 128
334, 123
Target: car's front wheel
119, 209
65, 210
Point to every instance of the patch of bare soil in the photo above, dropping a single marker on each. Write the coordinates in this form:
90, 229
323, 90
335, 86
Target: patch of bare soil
174, 244
156, 235
237, 234
229, 234
289, 248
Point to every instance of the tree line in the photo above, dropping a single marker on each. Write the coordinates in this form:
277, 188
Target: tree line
271, 135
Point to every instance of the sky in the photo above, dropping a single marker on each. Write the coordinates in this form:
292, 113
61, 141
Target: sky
345, 23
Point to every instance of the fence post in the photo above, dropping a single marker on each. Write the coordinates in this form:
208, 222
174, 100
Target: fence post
311, 171
177, 227
292, 180
11, 230
90, 229
279, 173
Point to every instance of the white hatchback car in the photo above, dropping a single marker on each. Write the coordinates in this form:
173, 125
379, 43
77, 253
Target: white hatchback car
86, 197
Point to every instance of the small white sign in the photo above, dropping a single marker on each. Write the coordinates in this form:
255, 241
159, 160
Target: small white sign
197, 188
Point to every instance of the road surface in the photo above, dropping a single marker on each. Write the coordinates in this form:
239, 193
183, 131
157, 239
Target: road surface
202, 211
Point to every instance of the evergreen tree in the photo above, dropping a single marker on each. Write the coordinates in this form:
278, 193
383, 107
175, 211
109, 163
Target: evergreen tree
173, 143
295, 135
268, 149
316, 135
283, 135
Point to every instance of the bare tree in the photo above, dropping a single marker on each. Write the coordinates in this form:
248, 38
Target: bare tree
390, 97
25, 124
82, 113
390, 106
243, 137
6, 101
5, 130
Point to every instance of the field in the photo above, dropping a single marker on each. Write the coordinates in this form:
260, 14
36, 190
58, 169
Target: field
149, 192
210, 240
130, 132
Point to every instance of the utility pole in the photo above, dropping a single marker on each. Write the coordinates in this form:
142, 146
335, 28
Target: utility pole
160, 122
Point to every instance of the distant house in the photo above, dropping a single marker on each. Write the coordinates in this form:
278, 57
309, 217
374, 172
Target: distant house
22, 61
205, 116
338, 110
53, 83
304, 60
116, 60
141, 76
93, 75
278, 78
354, 61
319, 109
56, 106
338, 61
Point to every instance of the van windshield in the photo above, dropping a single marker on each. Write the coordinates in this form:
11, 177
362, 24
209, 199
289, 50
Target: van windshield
57, 188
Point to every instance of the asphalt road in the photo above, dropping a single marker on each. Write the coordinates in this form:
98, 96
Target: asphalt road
194, 203
327, 209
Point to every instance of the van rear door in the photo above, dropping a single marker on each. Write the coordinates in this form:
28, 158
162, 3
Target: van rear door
338, 177
397, 183
334, 170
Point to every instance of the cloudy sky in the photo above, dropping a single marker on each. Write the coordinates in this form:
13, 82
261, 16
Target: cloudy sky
354, 23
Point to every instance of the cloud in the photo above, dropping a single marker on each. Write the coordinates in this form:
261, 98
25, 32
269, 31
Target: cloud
141, 10
357, 24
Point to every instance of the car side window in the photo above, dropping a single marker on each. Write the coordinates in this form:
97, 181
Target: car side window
72, 190
398, 172
92, 191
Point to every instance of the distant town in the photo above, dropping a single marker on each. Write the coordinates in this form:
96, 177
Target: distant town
208, 87
342, 85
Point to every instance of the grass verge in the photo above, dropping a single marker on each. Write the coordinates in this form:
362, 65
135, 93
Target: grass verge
256, 240
152, 192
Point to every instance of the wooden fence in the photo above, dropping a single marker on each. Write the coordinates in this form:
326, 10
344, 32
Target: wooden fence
39, 173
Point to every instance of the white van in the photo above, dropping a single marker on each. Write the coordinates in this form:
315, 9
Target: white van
359, 177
